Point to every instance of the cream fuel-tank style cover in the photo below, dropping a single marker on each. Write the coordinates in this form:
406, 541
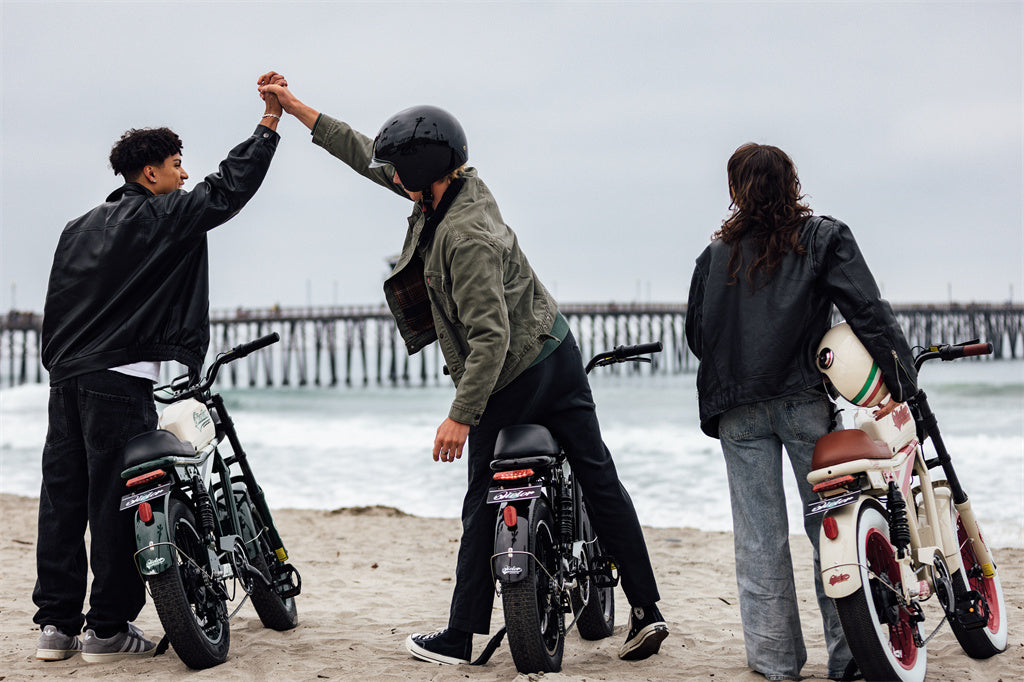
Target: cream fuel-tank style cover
190, 421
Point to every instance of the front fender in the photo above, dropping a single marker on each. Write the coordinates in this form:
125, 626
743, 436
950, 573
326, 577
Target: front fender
839, 558
511, 556
155, 549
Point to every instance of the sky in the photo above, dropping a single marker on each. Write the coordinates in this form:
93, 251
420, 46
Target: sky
602, 128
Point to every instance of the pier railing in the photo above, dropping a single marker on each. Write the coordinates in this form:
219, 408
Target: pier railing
360, 345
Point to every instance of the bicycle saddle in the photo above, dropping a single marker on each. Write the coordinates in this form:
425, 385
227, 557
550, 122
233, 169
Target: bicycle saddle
524, 446
845, 446
152, 445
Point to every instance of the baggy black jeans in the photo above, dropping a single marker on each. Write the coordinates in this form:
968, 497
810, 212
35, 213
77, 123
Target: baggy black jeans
555, 393
91, 417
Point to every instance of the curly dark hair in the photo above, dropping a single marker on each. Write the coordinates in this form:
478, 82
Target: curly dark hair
766, 206
141, 147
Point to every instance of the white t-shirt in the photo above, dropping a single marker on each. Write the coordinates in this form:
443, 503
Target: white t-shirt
144, 370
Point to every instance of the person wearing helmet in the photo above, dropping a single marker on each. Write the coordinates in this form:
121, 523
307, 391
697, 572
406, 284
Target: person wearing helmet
760, 301
463, 281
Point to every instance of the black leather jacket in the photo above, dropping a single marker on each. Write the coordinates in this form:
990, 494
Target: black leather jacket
759, 345
130, 280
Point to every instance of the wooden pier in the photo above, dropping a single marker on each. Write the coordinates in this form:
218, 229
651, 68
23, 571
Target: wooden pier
360, 345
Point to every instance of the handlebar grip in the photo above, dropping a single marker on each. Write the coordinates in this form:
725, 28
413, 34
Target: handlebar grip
977, 349
639, 349
241, 350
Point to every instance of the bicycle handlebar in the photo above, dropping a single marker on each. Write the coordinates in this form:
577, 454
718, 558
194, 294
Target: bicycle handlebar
952, 351
241, 350
977, 349
236, 353
624, 354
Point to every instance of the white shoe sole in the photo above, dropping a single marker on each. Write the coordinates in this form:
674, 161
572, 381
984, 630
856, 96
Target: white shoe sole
55, 654
115, 656
431, 657
645, 643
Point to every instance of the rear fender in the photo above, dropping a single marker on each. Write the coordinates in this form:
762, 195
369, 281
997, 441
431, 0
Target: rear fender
155, 549
839, 568
511, 556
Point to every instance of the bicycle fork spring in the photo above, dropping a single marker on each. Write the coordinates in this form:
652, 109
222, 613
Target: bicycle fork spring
565, 513
204, 506
899, 529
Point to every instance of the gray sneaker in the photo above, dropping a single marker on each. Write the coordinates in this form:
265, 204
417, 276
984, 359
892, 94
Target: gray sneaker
122, 645
54, 645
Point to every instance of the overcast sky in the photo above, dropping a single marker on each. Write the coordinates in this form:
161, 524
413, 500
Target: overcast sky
603, 130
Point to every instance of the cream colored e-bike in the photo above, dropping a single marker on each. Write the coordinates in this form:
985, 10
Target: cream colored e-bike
893, 537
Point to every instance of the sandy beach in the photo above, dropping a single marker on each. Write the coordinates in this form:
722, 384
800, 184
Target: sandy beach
372, 576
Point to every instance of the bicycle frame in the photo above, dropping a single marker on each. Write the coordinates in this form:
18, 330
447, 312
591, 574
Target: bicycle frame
931, 531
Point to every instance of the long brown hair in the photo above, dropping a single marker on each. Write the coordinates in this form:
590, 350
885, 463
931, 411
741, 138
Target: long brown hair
766, 206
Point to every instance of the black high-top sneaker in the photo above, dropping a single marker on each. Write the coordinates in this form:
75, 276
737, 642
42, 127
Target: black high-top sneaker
448, 646
647, 630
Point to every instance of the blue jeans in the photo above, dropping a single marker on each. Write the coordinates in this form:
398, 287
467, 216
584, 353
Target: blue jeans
752, 440
91, 417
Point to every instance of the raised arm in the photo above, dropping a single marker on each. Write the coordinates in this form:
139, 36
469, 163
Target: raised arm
337, 137
274, 85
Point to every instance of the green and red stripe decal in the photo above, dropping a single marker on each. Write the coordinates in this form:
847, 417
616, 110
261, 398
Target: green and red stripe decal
871, 387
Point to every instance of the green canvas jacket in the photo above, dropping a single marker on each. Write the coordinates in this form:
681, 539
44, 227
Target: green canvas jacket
470, 286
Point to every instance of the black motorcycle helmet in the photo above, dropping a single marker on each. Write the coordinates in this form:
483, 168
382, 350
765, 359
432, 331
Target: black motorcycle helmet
423, 144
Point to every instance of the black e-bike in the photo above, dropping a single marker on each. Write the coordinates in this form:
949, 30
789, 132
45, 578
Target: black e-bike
547, 560
202, 525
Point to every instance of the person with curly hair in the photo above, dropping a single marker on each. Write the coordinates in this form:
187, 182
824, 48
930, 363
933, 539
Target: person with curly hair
129, 289
760, 300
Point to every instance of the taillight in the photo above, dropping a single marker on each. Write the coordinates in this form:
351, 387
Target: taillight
510, 516
154, 475
830, 528
145, 512
833, 483
513, 475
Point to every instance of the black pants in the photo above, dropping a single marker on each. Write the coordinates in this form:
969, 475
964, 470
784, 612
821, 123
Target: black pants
91, 417
554, 393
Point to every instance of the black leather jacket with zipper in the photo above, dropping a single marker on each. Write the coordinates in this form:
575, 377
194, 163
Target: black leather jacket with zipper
760, 344
130, 282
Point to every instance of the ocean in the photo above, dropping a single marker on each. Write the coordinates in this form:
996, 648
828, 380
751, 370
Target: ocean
325, 448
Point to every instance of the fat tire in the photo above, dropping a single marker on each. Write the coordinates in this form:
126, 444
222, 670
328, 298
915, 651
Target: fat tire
990, 639
274, 612
201, 639
868, 637
534, 618
596, 619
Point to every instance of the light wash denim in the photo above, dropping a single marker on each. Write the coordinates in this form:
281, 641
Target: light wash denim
752, 440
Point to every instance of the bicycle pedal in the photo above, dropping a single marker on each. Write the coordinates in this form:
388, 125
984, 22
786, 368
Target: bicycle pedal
289, 582
972, 610
604, 572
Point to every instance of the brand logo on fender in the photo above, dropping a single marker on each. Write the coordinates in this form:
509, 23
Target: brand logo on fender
159, 561
841, 578
510, 495
901, 416
511, 569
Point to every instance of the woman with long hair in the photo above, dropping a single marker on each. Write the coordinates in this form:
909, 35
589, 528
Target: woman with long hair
761, 298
